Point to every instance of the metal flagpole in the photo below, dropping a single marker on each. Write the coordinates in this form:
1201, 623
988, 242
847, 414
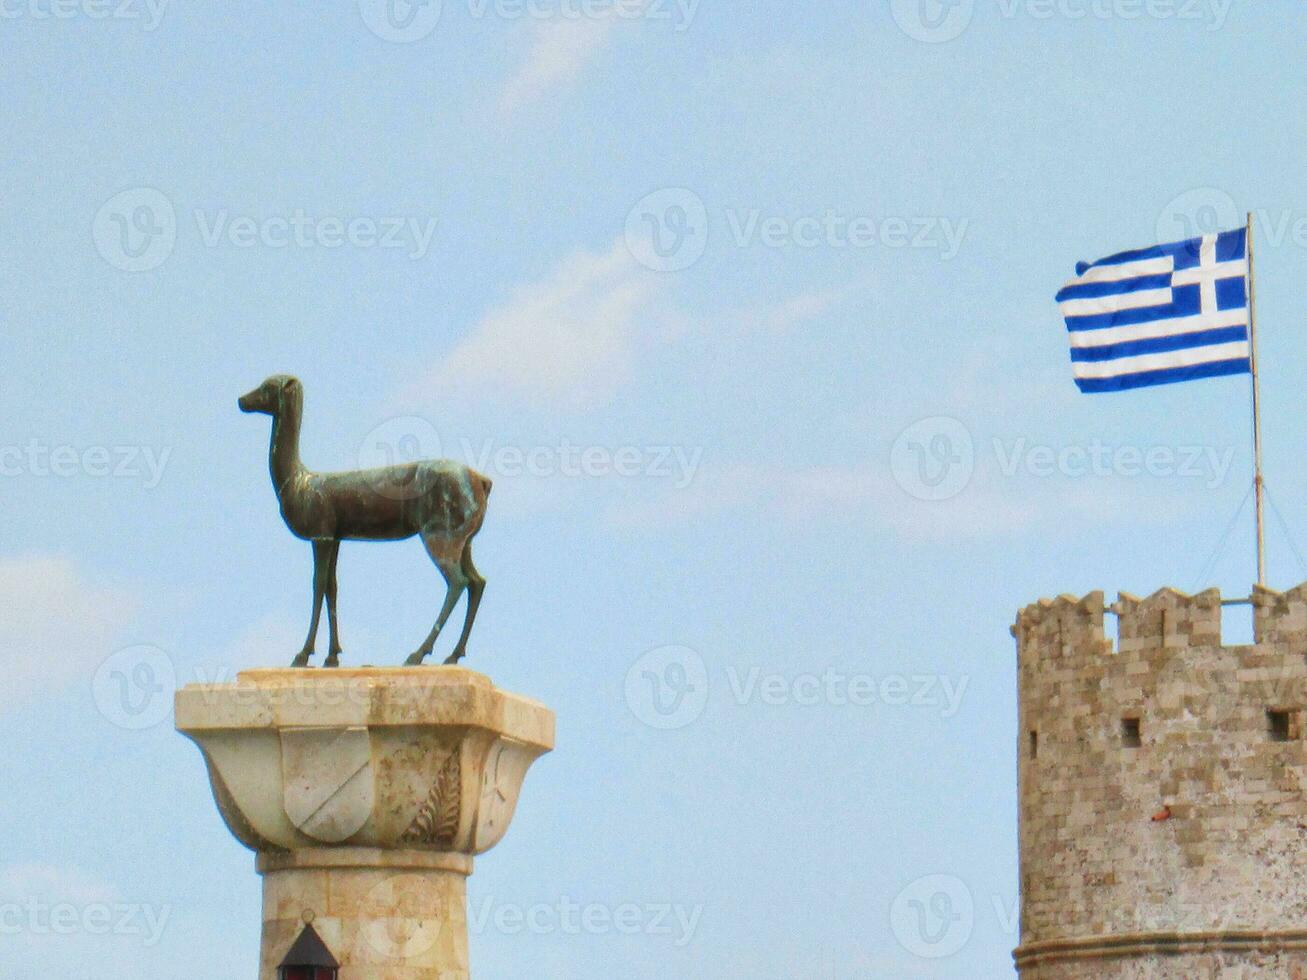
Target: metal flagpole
1257, 415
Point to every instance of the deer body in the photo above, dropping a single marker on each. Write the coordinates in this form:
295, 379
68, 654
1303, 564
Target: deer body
411, 499
440, 501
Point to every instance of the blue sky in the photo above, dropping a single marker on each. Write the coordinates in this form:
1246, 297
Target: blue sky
747, 311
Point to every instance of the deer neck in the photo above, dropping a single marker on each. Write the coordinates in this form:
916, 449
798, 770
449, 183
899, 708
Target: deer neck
284, 453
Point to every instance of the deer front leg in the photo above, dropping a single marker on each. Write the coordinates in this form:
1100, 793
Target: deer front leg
333, 653
321, 568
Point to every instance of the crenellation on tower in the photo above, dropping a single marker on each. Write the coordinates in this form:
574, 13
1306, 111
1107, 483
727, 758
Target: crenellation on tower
1169, 618
1280, 617
1060, 627
1163, 814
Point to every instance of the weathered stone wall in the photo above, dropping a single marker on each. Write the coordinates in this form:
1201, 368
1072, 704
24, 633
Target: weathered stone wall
1197, 966
1185, 856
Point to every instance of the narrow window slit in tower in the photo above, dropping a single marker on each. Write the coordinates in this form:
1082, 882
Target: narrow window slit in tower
1284, 726
1034, 745
1131, 737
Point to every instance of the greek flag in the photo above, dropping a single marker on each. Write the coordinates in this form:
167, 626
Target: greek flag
1154, 316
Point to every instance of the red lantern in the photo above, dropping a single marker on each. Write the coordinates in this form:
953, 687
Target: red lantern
309, 959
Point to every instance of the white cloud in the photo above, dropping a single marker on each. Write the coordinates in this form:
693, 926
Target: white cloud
715, 490
50, 884
569, 338
801, 307
560, 50
58, 624
990, 506
574, 338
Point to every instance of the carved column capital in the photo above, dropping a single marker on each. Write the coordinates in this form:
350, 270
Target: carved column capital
377, 778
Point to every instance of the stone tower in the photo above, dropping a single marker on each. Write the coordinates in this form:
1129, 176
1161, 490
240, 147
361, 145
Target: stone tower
1161, 789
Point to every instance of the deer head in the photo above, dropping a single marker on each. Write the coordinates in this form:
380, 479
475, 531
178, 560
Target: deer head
279, 392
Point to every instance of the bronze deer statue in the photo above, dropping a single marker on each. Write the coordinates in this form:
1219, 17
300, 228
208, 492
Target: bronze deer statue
442, 502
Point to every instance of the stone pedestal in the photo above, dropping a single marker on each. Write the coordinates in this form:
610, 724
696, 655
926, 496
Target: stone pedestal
366, 794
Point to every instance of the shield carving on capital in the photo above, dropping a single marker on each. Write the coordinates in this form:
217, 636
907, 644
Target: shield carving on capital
327, 780
501, 781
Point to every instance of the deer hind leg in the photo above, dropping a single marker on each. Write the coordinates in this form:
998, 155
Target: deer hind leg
321, 570
446, 553
476, 584
333, 652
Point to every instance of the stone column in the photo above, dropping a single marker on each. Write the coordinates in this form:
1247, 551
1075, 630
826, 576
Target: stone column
366, 794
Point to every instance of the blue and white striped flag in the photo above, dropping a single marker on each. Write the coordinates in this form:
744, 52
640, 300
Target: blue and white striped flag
1154, 316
